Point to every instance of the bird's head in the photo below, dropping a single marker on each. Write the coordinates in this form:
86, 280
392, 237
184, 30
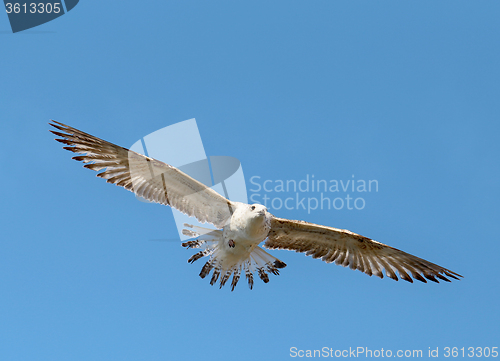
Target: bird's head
257, 211
259, 220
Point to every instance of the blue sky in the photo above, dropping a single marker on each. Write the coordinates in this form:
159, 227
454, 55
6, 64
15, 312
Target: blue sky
405, 93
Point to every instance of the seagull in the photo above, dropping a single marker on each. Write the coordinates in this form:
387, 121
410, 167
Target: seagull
233, 248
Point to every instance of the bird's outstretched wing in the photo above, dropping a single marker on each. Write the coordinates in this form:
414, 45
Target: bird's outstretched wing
147, 177
351, 249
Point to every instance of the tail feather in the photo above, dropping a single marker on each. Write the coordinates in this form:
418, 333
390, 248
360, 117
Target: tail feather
226, 276
215, 275
203, 253
271, 263
236, 277
249, 276
192, 244
207, 268
263, 275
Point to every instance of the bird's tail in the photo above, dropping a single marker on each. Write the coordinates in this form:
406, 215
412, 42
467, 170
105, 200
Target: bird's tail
208, 240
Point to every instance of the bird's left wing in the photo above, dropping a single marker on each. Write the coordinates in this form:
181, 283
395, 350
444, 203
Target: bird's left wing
147, 177
350, 249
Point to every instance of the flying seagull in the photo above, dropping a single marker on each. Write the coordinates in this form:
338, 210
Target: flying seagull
234, 248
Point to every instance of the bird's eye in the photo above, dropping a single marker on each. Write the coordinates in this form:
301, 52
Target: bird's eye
252, 208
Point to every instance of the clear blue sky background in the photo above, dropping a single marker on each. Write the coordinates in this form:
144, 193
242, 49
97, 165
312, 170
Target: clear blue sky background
403, 92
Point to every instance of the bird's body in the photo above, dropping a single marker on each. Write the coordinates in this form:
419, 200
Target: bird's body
234, 248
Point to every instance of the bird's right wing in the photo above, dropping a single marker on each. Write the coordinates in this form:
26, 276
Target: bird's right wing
147, 177
350, 249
